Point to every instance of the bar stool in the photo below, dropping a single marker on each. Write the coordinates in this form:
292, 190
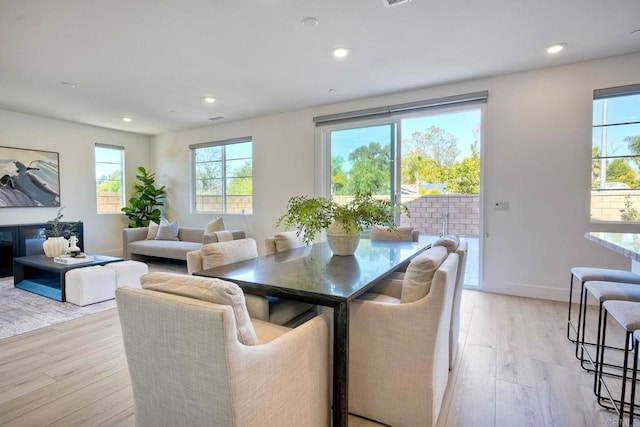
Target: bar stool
634, 373
587, 274
627, 315
602, 291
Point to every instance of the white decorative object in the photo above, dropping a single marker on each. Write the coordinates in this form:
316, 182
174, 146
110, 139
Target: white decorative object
73, 244
341, 242
55, 246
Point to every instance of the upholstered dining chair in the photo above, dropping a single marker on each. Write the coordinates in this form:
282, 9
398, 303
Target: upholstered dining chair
399, 344
453, 244
196, 358
283, 241
275, 310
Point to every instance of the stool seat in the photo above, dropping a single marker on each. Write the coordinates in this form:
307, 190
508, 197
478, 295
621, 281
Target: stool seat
626, 313
128, 273
89, 285
604, 291
587, 274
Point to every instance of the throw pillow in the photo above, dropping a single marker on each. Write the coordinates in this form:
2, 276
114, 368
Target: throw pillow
212, 290
168, 230
417, 279
222, 253
216, 224
450, 242
399, 234
288, 240
217, 236
153, 230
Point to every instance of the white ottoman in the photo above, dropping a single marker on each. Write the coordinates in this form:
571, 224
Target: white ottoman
128, 272
89, 285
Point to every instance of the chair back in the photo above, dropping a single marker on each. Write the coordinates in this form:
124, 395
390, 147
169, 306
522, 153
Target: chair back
284, 241
399, 234
182, 375
214, 255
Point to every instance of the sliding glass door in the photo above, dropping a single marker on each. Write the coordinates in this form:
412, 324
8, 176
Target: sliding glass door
429, 160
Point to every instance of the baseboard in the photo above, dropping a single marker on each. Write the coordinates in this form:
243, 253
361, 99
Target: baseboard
528, 290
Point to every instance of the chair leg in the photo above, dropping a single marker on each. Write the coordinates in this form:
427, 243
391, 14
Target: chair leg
623, 392
634, 378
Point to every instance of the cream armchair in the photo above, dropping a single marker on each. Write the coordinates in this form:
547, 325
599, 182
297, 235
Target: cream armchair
399, 344
196, 359
271, 309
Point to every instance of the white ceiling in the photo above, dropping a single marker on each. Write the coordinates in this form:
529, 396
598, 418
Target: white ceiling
154, 60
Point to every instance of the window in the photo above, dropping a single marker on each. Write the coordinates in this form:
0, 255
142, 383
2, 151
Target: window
615, 162
109, 178
222, 176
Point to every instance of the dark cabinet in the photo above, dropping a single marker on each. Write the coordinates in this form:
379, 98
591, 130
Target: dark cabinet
25, 240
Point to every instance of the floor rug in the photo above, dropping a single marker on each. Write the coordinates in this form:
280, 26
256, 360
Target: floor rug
22, 311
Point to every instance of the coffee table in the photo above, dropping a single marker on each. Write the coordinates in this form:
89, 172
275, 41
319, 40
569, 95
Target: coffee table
43, 276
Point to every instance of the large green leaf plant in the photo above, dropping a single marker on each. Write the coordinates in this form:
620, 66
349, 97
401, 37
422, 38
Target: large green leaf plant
143, 205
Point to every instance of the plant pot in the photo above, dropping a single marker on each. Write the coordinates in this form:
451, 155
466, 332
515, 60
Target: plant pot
341, 242
55, 246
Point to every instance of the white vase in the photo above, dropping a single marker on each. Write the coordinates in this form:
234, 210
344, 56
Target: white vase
55, 246
341, 242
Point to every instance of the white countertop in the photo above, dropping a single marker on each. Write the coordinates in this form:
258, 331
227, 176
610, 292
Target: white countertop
627, 244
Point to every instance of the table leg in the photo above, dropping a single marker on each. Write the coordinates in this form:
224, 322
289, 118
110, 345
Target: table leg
340, 364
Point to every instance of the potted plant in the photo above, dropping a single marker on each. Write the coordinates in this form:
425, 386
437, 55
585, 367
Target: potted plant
343, 222
56, 231
143, 205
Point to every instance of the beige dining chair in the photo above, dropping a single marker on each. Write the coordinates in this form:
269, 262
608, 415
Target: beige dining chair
196, 358
284, 241
271, 309
399, 344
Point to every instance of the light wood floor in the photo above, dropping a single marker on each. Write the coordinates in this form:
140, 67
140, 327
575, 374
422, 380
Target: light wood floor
514, 368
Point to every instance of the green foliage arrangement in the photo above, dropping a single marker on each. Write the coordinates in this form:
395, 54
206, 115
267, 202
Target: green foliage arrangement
311, 215
143, 205
57, 228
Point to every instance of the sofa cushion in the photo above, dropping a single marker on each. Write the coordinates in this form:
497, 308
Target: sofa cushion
206, 289
152, 231
417, 279
168, 230
216, 224
450, 242
163, 248
222, 253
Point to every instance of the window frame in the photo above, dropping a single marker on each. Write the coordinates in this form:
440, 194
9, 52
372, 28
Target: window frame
224, 176
97, 162
599, 129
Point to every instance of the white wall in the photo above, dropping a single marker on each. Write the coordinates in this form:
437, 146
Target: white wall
75, 145
537, 156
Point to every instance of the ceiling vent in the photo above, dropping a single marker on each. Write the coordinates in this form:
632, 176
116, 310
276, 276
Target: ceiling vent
391, 3
213, 119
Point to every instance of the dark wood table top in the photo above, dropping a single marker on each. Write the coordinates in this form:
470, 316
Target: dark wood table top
45, 263
313, 274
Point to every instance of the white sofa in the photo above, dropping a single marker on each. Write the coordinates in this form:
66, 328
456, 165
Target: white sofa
134, 242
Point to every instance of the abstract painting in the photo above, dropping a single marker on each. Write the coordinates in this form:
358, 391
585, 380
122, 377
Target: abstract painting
28, 178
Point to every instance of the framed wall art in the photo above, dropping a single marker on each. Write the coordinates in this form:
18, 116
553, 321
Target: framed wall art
29, 178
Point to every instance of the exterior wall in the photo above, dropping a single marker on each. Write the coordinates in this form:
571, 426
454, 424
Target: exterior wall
609, 206
108, 203
235, 204
461, 212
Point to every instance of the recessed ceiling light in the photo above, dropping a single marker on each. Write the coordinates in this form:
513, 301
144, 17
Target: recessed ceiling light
332, 91
636, 32
340, 52
309, 22
127, 119
67, 84
209, 100
556, 48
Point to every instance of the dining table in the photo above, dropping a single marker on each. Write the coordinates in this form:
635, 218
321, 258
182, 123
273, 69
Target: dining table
313, 274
